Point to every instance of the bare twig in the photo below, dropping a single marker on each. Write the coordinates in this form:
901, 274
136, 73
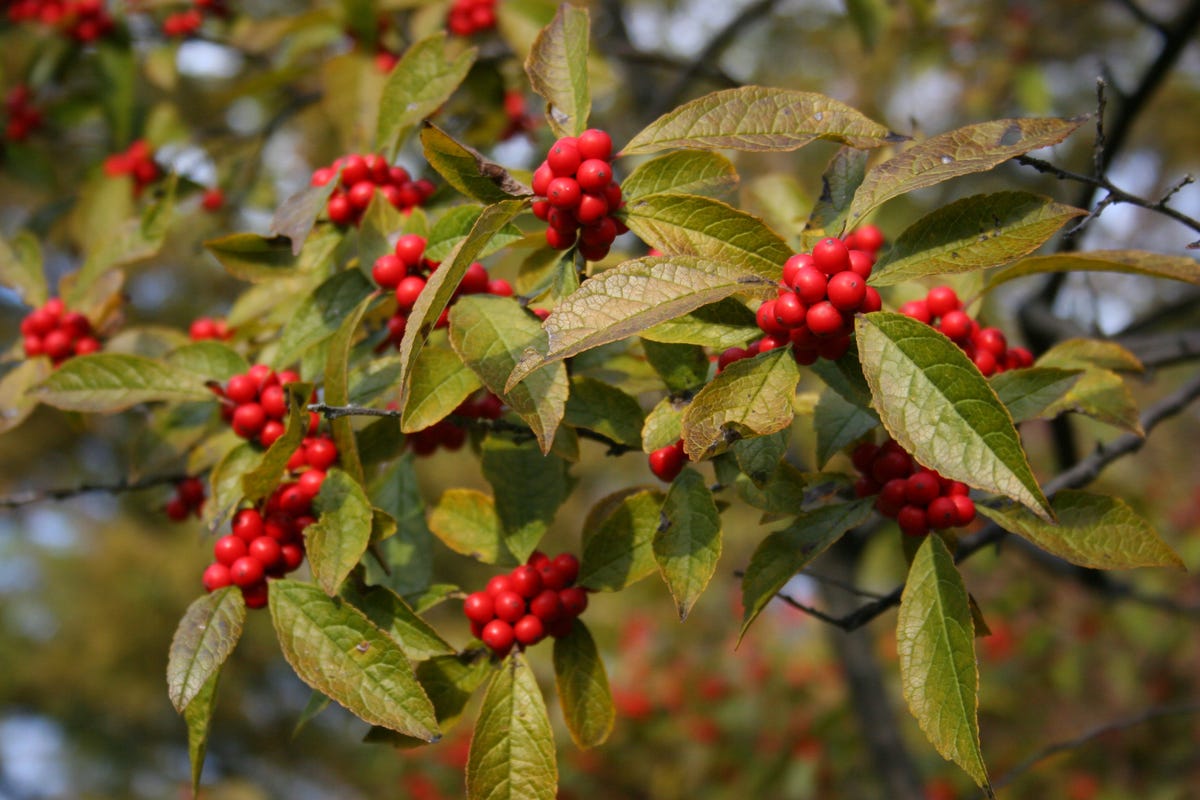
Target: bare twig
116, 487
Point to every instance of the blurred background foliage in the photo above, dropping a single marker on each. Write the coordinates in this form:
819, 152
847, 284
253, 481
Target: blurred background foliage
91, 588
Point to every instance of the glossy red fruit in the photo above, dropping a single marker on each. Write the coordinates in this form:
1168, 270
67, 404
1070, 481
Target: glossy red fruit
216, 576
991, 340
270, 433
408, 290
474, 280
274, 402
730, 356
389, 270
246, 571
228, 549
986, 363
594, 175
292, 555
529, 630
360, 194
574, 600
667, 462
560, 627
321, 453
592, 207
242, 389
498, 584
410, 249
267, 550
824, 319
965, 508
861, 263
793, 266
595, 143
86, 344
498, 636
846, 291
890, 466
247, 525
941, 300
479, 607
541, 179
865, 487
248, 420
767, 320
339, 209
310, 482
177, 510
871, 301
789, 310
564, 157
255, 595
891, 497
863, 456
942, 513
527, 582
831, 256
922, 488
568, 564
913, 521
552, 576
917, 310
834, 347
956, 325
564, 193
869, 238
546, 606
810, 284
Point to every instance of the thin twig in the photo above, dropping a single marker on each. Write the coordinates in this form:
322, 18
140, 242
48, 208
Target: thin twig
1144, 17
32, 496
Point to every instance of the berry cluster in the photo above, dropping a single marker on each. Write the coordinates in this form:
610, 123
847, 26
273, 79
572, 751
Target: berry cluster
362, 175
83, 20
209, 328
406, 270
255, 404
987, 347
446, 433
53, 331
580, 194
188, 21
188, 499
138, 162
535, 600
23, 117
469, 17
919, 499
269, 542
821, 292
667, 462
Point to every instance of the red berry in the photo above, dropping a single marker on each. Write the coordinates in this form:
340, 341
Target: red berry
922, 488
941, 300
292, 555
956, 325
191, 491
863, 456
831, 256
574, 600
891, 497
561, 626
242, 389
890, 466
499, 584
354, 171
913, 521
537, 558
594, 143
667, 462
546, 606
58, 344
824, 319
255, 595
360, 194
228, 549
408, 290
388, 270
861, 263
274, 402
247, 525
267, 551
594, 175
474, 280
568, 565
871, 301
177, 510
991, 340
527, 582
869, 238
986, 363
310, 482
321, 453
410, 249
246, 571
499, 287
541, 179
498, 635
339, 209
216, 576
529, 629
600, 233
248, 420
479, 608
592, 207
833, 348
564, 193
865, 487
730, 356
942, 513
965, 508
270, 433
847, 290
564, 158
552, 577
294, 501
810, 284
917, 310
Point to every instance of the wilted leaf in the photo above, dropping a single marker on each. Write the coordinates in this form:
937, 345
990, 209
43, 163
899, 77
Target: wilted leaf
935, 638
977, 232
758, 118
937, 405
1093, 531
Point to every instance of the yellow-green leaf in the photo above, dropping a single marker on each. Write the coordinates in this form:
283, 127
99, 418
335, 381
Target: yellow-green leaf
16, 400
336, 650
198, 715
512, 468
388, 610
440, 382
682, 172
1089, 354
986, 230
601, 407
751, 397
1027, 393
337, 387
107, 382
935, 403
1131, 262
582, 684
321, 314
557, 70
1093, 530
619, 551
466, 521
687, 545
422, 80
758, 118
342, 531
512, 750
467, 170
21, 268
963, 151
935, 639
206, 635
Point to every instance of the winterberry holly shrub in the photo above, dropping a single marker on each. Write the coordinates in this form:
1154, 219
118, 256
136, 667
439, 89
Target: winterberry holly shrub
824, 375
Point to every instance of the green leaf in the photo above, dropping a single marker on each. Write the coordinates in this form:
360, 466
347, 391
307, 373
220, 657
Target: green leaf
963, 151
683, 367
784, 491
453, 226
295, 217
838, 423
321, 314
624, 301
687, 225
108, 382
845, 376
440, 288
207, 634
250, 257
751, 397
468, 170
450, 682
557, 70
408, 554
490, 334
688, 544
440, 382
392, 615
1130, 262
225, 484
466, 521
935, 638
21, 268
198, 716
758, 118
841, 179
664, 424
260, 481
682, 172
16, 400
209, 359
512, 750
338, 539
1027, 393
336, 650
977, 232
934, 402
420, 83
1100, 394
620, 550
582, 684
759, 457
605, 409
720, 325
784, 553
1090, 353
512, 468
337, 388
1093, 530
